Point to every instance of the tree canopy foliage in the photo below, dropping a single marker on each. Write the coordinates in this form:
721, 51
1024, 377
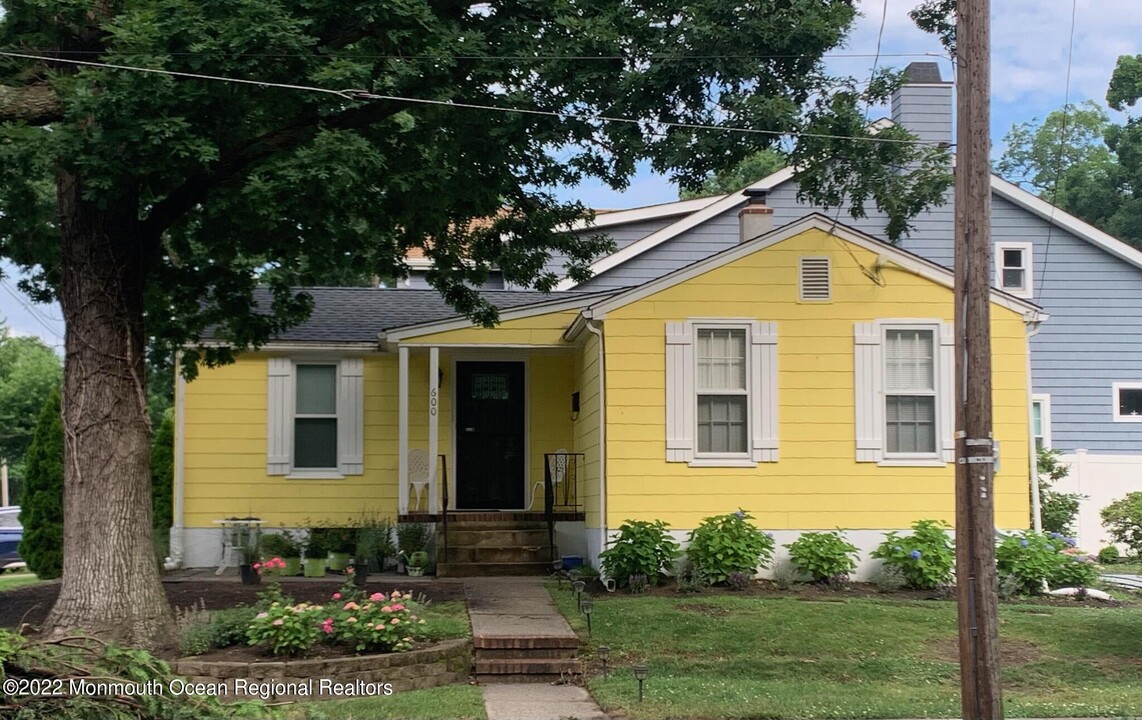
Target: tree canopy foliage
29, 371
41, 500
751, 169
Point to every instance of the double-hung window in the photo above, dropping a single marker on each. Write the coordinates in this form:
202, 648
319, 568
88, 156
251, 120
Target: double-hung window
910, 392
1013, 268
1041, 420
315, 417
723, 391
903, 392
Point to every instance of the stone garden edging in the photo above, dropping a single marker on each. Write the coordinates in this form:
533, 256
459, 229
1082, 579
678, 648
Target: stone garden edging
445, 663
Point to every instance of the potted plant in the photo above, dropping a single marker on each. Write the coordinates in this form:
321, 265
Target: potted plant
342, 542
248, 568
284, 545
245, 539
374, 546
315, 550
412, 538
417, 563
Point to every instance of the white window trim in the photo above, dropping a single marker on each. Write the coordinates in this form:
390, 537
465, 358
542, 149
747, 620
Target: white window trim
870, 399
682, 395
910, 458
1044, 417
332, 470
746, 328
1114, 401
1028, 289
281, 416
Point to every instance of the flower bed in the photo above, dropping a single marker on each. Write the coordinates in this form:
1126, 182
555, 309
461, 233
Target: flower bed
443, 664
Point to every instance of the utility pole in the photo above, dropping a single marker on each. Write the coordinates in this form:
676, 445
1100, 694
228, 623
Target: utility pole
975, 508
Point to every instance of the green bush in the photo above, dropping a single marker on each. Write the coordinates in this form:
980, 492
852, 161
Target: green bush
1057, 510
162, 482
211, 630
1033, 558
925, 559
725, 544
824, 556
412, 537
642, 548
41, 503
1108, 555
690, 578
1123, 520
279, 544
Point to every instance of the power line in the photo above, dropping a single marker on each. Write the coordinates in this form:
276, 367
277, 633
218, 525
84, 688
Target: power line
358, 94
32, 312
446, 56
1059, 156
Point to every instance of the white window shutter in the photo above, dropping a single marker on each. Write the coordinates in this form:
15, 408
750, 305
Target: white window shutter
279, 402
763, 391
869, 393
680, 402
351, 417
946, 391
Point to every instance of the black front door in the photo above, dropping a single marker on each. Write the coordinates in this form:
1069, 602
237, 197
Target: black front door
490, 451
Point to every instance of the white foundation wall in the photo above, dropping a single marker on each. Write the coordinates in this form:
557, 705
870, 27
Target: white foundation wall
1102, 479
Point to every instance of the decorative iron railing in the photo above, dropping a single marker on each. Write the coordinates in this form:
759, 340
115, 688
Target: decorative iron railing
560, 489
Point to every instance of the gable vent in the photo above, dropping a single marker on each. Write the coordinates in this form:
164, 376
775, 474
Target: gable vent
815, 283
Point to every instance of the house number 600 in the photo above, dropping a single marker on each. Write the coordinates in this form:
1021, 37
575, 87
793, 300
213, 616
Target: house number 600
432, 402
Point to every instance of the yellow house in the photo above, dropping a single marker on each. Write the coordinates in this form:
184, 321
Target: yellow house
805, 376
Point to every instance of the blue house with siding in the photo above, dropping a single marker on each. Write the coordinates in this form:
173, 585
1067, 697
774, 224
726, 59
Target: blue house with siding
1086, 360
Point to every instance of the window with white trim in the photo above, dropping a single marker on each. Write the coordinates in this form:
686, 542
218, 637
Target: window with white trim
316, 419
903, 381
1041, 421
1127, 400
721, 392
1013, 268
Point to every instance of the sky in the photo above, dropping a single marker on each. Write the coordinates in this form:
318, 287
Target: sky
1030, 40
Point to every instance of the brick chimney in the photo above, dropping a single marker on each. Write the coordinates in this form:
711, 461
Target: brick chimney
756, 218
923, 104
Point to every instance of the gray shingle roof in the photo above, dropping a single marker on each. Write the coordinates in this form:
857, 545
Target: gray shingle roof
359, 314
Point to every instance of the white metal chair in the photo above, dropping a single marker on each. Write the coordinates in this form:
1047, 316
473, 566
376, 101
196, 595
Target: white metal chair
558, 473
418, 475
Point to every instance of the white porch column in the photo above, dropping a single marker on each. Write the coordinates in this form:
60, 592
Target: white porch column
402, 430
433, 425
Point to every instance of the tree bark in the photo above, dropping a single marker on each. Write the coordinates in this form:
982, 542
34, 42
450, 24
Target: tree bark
111, 585
34, 104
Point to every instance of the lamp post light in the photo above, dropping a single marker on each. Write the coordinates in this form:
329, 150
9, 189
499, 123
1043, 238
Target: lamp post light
587, 605
579, 586
574, 574
640, 673
604, 653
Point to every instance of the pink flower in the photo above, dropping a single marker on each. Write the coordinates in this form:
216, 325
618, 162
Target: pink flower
387, 608
396, 621
327, 626
398, 607
396, 594
336, 596
350, 570
351, 606
379, 626
262, 615
352, 620
377, 597
279, 621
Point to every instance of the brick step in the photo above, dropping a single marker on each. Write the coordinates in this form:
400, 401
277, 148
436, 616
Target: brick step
527, 666
565, 653
519, 642
499, 537
499, 554
457, 522
545, 678
452, 569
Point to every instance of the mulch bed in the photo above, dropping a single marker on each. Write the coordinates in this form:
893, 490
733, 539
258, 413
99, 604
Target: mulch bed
31, 604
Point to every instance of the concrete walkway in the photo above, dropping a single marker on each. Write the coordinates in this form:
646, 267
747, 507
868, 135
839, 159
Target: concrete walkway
516, 612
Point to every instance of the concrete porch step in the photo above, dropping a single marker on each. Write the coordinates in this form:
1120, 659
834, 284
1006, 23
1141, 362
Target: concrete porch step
528, 666
525, 642
455, 569
536, 678
563, 653
498, 537
498, 553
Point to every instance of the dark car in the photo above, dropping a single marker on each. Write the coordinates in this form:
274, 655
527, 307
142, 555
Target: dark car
10, 546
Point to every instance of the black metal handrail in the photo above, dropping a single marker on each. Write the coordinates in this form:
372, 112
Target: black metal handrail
444, 501
560, 489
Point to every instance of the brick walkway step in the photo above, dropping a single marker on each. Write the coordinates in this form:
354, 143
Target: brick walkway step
540, 652
528, 666
499, 569
525, 642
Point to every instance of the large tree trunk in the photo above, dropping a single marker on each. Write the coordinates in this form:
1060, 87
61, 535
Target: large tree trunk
111, 584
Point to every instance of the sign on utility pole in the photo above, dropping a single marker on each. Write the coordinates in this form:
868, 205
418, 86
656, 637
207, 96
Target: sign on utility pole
975, 498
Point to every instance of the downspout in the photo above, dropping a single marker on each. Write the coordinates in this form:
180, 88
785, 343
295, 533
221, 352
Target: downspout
1032, 329
595, 329
178, 532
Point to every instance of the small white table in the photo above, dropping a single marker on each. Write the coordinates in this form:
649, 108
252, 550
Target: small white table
228, 526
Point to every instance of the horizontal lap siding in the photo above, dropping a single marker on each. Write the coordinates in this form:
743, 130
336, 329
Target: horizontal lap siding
816, 483
586, 427
551, 379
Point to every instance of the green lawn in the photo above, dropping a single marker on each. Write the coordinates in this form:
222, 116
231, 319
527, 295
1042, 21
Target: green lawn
447, 620
726, 656
12, 580
462, 702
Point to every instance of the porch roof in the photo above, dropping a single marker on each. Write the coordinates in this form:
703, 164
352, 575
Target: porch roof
360, 315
